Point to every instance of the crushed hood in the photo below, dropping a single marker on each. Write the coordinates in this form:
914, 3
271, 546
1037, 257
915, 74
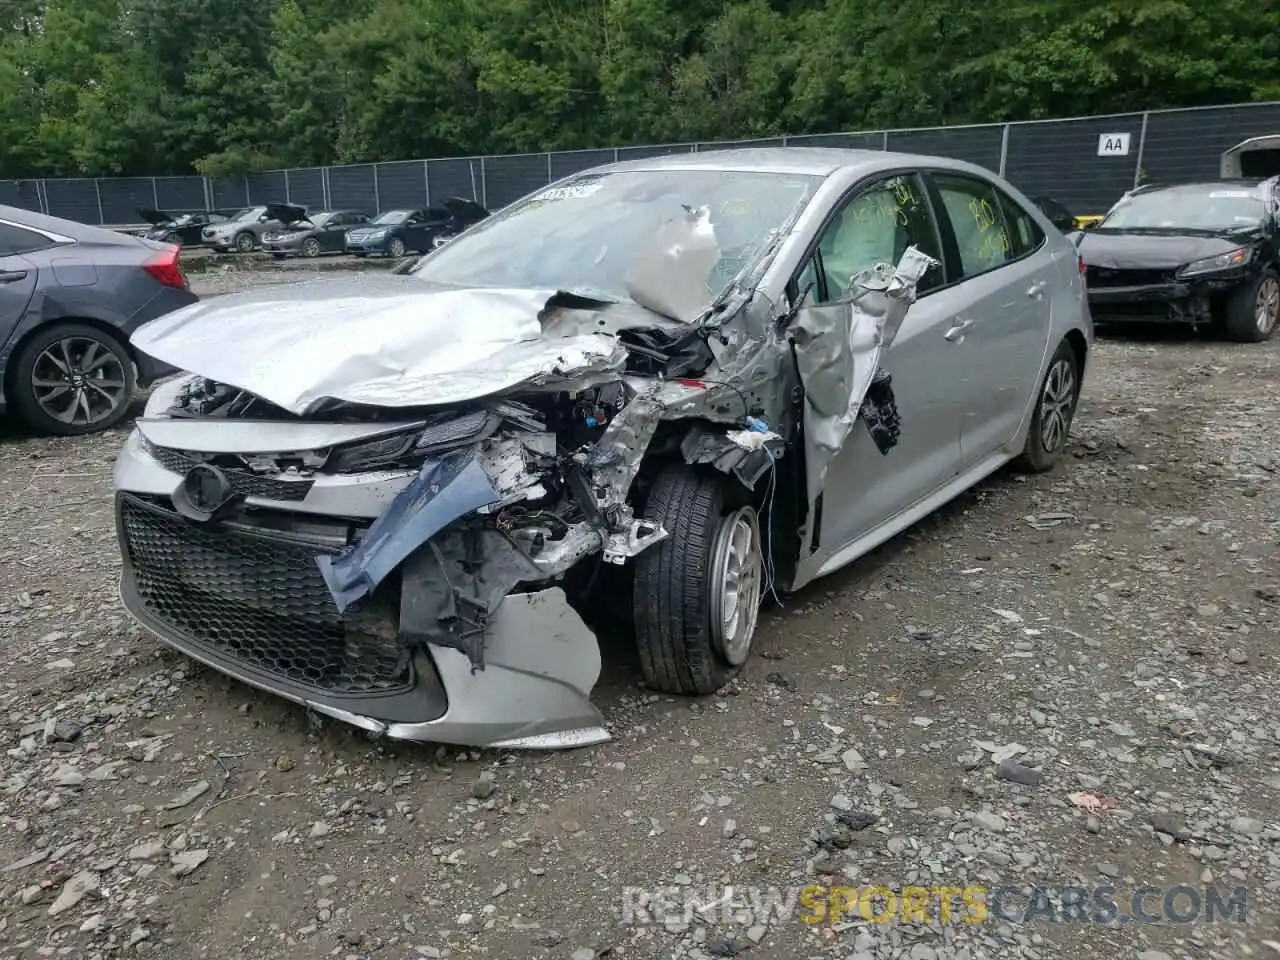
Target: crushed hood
286, 213
464, 209
155, 217
378, 340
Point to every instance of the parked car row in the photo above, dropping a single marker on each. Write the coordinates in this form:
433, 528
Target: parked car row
286, 229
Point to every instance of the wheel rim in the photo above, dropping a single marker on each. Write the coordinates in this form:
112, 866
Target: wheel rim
1056, 405
736, 568
1267, 306
244, 243
311, 248
397, 247
78, 381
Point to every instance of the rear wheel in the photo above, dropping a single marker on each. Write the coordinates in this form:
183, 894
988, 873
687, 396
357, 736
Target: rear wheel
72, 379
1055, 409
1251, 312
697, 593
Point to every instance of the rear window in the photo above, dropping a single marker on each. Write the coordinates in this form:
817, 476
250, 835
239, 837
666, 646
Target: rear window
15, 240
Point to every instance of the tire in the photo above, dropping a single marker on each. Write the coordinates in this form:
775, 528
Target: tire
1055, 409
680, 586
71, 341
311, 247
245, 242
1250, 313
396, 247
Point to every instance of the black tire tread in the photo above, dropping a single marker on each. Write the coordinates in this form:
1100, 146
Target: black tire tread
1034, 459
1238, 321
671, 602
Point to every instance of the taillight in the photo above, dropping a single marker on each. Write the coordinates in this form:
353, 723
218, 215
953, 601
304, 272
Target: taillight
167, 269
1083, 268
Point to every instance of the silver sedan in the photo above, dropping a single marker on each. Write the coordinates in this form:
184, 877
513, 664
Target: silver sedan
643, 398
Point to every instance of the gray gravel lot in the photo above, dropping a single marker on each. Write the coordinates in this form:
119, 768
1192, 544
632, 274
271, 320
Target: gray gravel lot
1067, 680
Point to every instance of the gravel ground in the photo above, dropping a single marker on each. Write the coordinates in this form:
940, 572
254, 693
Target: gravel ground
1066, 680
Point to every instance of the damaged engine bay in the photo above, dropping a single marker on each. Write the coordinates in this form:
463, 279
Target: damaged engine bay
524, 480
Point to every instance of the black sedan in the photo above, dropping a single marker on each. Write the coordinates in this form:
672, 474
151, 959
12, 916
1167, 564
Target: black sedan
179, 228
71, 295
1057, 213
303, 234
398, 232
1203, 254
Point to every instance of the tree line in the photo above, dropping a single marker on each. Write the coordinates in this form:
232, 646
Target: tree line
223, 87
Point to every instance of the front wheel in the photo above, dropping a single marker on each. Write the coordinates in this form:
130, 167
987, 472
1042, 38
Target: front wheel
244, 242
396, 247
697, 593
1252, 311
72, 379
311, 247
1055, 409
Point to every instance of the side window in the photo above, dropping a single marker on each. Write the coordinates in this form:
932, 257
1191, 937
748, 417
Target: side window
1025, 234
875, 226
976, 220
14, 240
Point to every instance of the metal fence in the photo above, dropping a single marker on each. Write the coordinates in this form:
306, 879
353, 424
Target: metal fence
1085, 163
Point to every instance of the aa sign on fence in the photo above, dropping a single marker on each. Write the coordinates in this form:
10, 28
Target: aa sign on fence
1113, 144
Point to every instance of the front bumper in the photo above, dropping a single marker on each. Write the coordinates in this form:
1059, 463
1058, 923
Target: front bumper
246, 597
1168, 301
220, 243
367, 246
291, 246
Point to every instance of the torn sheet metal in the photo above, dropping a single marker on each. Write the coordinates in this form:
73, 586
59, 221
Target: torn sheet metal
445, 489
451, 587
746, 454
671, 275
838, 348
378, 340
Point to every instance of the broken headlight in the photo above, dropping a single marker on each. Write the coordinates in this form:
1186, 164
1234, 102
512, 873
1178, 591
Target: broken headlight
381, 453
1223, 261
411, 447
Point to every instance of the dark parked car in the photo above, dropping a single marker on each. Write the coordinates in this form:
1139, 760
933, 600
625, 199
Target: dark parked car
310, 234
1200, 253
71, 295
1057, 213
180, 228
398, 232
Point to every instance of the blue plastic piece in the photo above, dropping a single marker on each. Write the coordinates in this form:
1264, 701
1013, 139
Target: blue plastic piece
756, 425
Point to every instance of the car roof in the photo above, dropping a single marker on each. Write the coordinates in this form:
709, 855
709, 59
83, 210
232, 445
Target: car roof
811, 161
72, 229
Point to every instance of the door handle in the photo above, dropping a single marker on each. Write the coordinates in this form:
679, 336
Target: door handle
12, 276
956, 331
1036, 290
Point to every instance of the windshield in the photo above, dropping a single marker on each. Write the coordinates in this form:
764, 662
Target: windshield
248, 213
393, 216
1213, 207
584, 235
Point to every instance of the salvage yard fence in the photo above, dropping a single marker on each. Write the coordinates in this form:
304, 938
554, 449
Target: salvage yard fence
1085, 163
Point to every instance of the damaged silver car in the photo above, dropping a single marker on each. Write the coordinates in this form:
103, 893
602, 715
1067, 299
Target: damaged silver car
644, 398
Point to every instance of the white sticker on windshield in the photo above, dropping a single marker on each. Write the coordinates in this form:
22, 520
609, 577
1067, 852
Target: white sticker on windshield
572, 191
1230, 194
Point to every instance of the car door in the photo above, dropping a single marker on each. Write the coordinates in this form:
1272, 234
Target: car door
17, 274
413, 231
863, 487
334, 235
1001, 295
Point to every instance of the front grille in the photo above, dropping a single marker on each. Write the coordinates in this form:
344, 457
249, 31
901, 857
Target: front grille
243, 480
1107, 277
259, 599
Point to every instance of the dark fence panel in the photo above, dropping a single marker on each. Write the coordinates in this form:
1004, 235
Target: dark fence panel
266, 187
306, 187
454, 178
73, 200
356, 188
400, 185
980, 145
1059, 159
123, 198
230, 195
180, 194
839, 141
1186, 145
507, 179
20, 193
741, 144
575, 161
657, 150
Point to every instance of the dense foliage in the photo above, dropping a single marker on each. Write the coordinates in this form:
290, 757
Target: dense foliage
226, 86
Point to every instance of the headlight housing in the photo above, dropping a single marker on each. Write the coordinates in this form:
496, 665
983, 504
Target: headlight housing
1223, 261
407, 449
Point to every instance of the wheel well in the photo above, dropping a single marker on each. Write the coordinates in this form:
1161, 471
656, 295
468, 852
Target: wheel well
1079, 347
101, 325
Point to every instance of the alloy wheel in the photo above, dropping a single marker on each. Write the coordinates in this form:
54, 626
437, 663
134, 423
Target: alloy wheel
311, 247
79, 381
397, 247
244, 242
1267, 305
1057, 403
737, 568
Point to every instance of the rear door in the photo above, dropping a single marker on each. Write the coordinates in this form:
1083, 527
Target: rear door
863, 487
334, 235
1001, 294
17, 274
